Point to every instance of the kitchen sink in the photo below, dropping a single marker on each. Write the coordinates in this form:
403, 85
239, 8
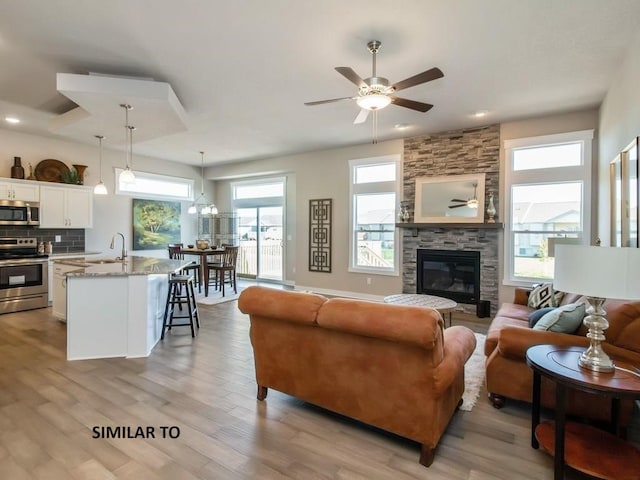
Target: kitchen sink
101, 261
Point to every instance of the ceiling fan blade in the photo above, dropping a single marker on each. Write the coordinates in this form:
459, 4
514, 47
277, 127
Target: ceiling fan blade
412, 104
423, 77
352, 76
458, 200
458, 206
362, 116
320, 102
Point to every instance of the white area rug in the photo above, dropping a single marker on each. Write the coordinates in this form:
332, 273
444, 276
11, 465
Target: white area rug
473, 375
216, 297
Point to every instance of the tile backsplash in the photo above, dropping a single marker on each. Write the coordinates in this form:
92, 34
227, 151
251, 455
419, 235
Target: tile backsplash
72, 239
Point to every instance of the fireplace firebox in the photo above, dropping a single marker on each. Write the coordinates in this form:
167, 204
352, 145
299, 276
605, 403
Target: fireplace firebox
453, 274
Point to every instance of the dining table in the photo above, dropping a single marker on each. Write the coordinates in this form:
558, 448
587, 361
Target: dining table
203, 253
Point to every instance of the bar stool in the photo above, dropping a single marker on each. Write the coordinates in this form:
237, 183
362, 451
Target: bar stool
181, 292
175, 253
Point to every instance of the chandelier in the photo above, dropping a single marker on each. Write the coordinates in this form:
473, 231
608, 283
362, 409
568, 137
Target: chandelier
201, 205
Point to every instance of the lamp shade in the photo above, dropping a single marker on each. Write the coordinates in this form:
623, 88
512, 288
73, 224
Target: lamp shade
604, 272
100, 189
127, 177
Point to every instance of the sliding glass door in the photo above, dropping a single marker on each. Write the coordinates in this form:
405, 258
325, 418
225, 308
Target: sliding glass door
260, 210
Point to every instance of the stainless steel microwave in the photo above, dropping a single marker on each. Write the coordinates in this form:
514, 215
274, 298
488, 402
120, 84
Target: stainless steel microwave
16, 212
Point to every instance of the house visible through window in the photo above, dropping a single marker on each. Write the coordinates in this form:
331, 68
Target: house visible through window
374, 191
548, 187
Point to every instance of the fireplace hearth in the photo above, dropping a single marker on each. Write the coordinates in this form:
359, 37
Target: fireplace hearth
453, 274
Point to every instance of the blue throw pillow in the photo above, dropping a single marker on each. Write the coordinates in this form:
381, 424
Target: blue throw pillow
538, 314
564, 319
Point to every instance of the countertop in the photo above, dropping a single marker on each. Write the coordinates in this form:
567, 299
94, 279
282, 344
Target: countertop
104, 266
55, 255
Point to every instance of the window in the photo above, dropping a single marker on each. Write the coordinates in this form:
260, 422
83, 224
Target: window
374, 239
548, 189
154, 185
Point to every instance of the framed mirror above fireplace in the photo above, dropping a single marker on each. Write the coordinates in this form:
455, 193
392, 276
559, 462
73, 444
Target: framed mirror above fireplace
450, 199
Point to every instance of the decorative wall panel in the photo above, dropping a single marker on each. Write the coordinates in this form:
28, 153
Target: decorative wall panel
320, 235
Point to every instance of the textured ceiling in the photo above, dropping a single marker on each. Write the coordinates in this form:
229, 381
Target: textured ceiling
243, 69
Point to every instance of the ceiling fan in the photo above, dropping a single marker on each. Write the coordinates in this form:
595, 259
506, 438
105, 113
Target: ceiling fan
470, 202
375, 93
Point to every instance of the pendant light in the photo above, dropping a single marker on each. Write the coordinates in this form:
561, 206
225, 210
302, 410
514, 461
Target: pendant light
100, 188
127, 176
201, 201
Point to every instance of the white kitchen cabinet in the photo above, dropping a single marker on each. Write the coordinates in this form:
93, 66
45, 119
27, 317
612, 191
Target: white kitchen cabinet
66, 207
25, 191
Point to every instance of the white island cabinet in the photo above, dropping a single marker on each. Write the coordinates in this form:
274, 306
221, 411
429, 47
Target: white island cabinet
114, 308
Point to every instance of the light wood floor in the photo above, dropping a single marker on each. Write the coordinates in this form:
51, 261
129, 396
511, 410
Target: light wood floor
205, 387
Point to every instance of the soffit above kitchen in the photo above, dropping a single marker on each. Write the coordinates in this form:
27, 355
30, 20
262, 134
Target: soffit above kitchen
243, 70
156, 111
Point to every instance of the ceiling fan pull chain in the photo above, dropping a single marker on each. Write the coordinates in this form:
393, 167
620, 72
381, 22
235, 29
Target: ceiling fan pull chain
375, 127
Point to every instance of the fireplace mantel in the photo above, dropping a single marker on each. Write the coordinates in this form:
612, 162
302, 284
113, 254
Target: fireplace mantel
467, 226
422, 226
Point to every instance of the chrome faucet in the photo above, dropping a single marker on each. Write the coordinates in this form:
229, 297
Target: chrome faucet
123, 255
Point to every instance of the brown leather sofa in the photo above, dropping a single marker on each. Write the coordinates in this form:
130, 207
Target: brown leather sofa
390, 366
509, 336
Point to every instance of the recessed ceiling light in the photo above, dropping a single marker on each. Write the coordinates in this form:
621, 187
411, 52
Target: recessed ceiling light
401, 126
11, 120
480, 113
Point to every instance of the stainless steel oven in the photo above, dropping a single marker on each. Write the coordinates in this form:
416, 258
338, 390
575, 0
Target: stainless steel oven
16, 212
23, 275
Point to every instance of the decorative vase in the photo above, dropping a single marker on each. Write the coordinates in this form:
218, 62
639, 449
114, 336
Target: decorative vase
80, 169
17, 171
491, 210
404, 215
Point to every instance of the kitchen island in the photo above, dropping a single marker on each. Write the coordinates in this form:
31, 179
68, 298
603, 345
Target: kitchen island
115, 308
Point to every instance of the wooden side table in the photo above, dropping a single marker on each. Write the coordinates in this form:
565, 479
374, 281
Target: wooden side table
585, 448
443, 305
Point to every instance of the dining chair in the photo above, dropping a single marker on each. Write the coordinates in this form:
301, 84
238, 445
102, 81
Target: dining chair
226, 264
175, 253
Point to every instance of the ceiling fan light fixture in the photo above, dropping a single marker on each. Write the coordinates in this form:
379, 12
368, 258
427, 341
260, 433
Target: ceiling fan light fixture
473, 203
373, 101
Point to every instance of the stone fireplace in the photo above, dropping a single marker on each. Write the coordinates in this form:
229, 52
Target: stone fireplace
454, 153
453, 274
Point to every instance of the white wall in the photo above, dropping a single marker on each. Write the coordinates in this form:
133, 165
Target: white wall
112, 213
323, 174
619, 125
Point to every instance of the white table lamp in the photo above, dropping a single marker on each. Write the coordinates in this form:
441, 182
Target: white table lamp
598, 273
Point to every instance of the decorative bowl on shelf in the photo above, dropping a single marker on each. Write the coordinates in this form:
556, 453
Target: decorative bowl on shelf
202, 244
189, 246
